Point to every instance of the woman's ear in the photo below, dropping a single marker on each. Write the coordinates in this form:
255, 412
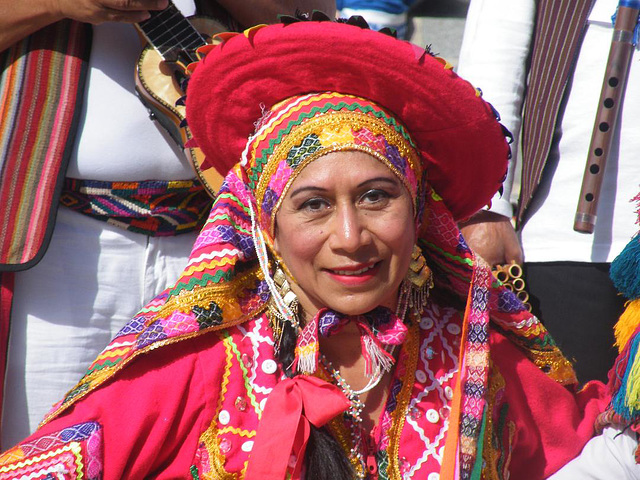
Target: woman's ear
276, 244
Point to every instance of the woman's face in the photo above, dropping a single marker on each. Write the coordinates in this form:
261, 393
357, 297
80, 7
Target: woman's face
346, 232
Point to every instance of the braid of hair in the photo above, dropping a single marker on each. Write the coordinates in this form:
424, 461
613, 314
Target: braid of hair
324, 457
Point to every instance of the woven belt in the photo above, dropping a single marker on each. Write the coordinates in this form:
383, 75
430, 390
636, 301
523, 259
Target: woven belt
153, 207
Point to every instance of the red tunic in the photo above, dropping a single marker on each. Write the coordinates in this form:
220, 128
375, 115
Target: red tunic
192, 408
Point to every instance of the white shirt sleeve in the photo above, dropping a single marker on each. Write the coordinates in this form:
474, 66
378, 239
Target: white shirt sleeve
493, 57
606, 457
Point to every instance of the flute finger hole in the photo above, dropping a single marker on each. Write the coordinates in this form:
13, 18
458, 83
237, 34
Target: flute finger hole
598, 152
608, 102
589, 197
594, 169
604, 126
613, 81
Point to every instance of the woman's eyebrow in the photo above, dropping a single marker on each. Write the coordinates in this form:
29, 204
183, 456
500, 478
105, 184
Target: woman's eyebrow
316, 189
391, 180
309, 188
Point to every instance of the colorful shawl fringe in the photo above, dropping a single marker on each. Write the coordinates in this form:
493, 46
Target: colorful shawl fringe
154, 207
40, 95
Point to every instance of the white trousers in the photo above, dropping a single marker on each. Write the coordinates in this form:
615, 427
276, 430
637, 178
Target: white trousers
91, 281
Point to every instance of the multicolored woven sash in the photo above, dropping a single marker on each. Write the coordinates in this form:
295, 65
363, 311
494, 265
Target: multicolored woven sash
155, 207
41, 84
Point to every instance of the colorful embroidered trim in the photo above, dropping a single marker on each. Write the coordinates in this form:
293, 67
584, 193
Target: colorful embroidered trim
301, 129
70, 454
155, 207
41, 85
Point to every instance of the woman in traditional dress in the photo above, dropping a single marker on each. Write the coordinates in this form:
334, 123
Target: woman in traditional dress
331, 322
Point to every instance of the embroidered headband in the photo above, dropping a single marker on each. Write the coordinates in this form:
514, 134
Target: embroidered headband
304, 128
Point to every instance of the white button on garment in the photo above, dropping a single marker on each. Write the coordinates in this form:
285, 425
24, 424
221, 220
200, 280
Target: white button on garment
224, 417
247, 446
433, 476
421, 376
426, 323
269, 366
448, 392
433, 416
453, 329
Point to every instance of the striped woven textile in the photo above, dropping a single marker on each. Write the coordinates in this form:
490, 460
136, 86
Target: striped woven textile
560, 27
156, 208
41, 85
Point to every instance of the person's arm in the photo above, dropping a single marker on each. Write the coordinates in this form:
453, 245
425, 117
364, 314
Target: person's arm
21, 18
493, 237
493, 57
252, 12
609, 455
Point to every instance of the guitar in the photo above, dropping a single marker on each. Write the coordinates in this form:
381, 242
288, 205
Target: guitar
161, 70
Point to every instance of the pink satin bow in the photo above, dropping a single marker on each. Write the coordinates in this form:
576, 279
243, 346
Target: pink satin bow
284, 427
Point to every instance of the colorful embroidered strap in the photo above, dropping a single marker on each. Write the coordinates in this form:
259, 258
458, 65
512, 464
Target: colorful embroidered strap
40, 90
157, 208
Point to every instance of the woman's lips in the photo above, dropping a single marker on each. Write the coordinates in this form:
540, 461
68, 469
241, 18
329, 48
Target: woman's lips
354, 275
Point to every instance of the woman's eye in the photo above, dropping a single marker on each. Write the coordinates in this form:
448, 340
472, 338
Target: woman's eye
314, 205
375, 196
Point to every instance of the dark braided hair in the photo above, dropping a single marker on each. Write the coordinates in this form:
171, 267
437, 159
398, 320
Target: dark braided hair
324, 457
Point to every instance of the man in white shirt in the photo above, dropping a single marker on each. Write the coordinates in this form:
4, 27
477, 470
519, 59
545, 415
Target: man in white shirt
567, 271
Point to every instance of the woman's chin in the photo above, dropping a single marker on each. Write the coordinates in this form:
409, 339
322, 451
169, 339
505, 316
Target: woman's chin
353, 307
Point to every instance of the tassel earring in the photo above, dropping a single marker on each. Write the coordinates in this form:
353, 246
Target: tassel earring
414, 291
290, 299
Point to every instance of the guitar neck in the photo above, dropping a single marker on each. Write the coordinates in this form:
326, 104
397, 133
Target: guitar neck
171, 34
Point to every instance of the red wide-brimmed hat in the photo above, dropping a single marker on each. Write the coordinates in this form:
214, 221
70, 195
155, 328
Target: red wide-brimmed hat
462, 143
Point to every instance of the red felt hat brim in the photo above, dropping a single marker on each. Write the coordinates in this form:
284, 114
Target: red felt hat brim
463, 145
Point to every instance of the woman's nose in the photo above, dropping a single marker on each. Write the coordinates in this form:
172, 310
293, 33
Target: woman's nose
349, 231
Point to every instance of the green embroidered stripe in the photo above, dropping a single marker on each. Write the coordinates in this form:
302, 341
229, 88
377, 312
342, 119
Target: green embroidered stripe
104, 364
218, 277
194, 473
497, 439
245, 373
456, 258
150, 309
477, 468
230, 220
235, 199
382, 457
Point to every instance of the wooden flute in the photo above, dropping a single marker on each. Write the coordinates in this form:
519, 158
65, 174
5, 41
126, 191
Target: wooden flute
611, 99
